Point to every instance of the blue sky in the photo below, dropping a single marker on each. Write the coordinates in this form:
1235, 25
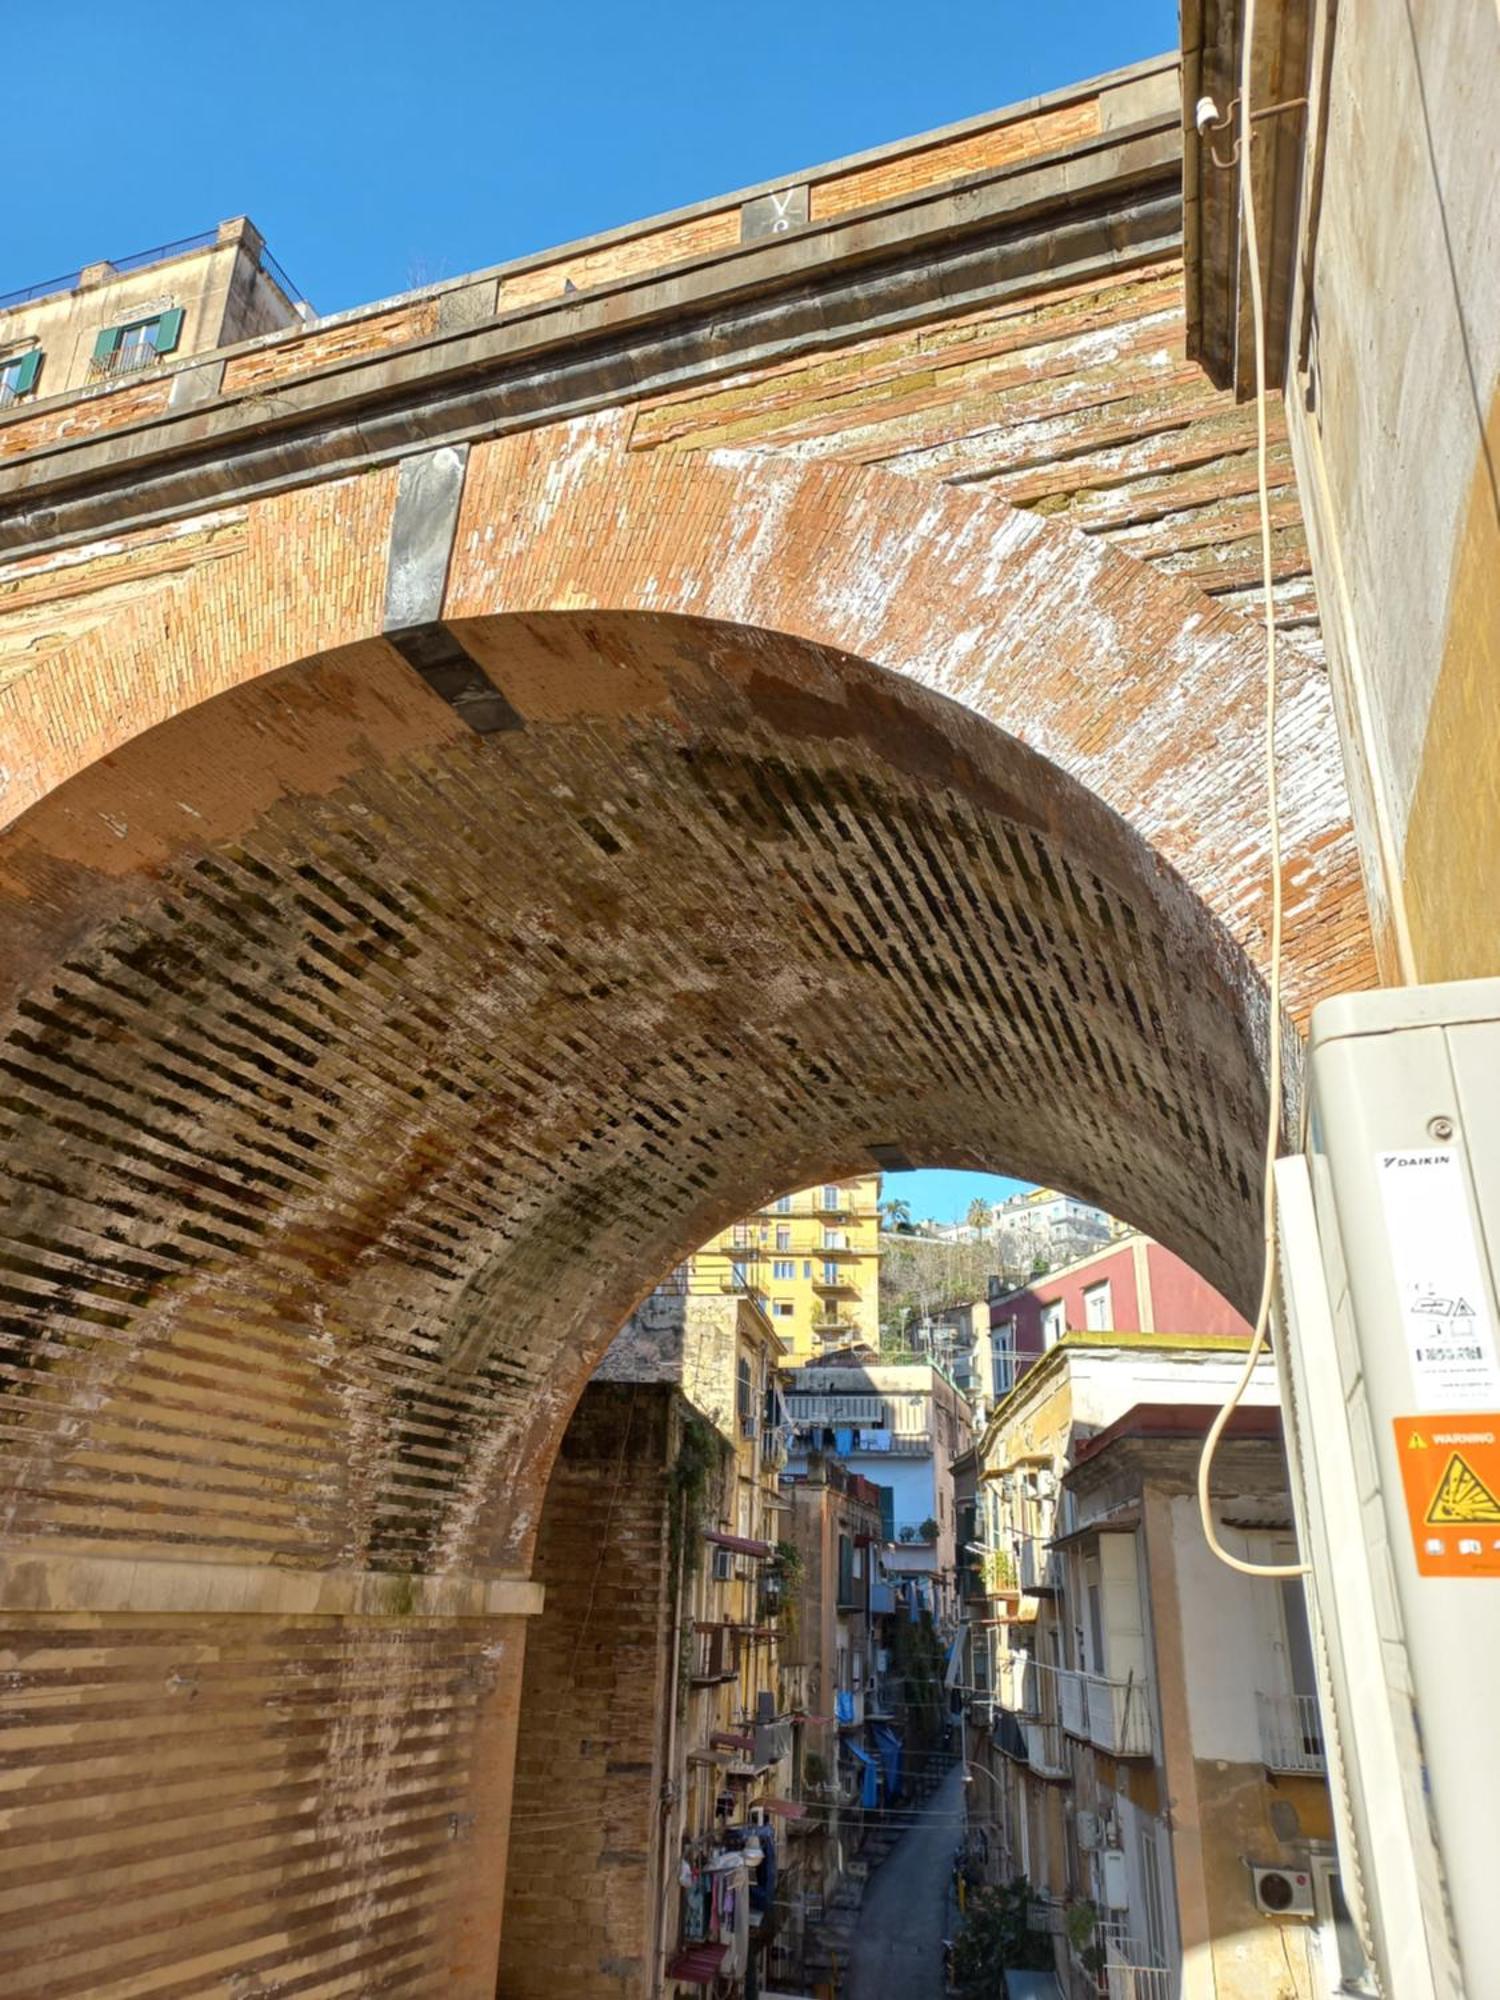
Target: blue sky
382, 146
940, 1194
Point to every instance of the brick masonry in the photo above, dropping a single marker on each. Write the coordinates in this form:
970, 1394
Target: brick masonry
588, 1817
877, 768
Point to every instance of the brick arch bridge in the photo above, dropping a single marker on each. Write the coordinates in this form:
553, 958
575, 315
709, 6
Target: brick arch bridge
430, 921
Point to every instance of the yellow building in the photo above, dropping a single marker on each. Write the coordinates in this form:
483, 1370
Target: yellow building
811, 1260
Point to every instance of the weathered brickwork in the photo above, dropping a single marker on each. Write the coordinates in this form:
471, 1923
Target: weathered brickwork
251, 1806
871, 767
596, 1709
1076, 403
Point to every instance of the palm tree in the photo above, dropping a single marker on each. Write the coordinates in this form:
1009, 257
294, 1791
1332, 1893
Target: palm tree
979, 1216
896, 1213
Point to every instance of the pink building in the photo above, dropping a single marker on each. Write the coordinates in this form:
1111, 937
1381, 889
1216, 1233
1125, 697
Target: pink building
1130, 1286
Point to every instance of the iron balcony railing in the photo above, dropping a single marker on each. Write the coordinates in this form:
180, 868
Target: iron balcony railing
1128, 1971
1291, 1733
1112, 1715
123, 361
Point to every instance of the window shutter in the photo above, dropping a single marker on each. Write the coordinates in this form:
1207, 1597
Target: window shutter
107, 342
169, 330
25, 376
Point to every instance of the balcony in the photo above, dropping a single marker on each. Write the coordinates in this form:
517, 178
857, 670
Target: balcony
1291, 1733
715, 1654
1038, 1568
1114, 1716
122, 360
1044, 1749
835, 1283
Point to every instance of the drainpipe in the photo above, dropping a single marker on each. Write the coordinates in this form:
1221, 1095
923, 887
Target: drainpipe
671, 1804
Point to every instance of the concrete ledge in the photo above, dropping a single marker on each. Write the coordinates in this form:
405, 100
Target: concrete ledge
35, 1583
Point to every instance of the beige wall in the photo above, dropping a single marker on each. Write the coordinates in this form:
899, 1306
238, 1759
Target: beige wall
223, 294
1395, 423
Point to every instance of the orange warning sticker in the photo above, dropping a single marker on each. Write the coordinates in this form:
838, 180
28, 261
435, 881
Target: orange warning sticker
1450, 1471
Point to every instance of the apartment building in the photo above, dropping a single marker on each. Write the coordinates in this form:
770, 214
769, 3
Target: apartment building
1143, 1732
811, 1259
113, 323
1127, 1285
1042, 1229
847, 1750
900, 1425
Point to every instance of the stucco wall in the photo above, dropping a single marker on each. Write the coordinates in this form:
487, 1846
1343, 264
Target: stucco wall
1396, 431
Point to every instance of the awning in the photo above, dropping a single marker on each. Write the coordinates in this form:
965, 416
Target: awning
699, 1964
741, 1544
869, 1790
726, 1739
783, 1808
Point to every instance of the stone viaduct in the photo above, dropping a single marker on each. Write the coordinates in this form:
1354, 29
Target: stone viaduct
497, 784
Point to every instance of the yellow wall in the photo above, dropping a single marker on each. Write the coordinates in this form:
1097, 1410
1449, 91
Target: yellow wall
791, 1233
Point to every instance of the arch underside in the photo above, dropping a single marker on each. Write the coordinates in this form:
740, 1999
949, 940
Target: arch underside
374, 1068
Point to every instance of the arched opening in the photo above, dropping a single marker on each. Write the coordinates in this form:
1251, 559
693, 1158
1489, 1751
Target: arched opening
364, 1071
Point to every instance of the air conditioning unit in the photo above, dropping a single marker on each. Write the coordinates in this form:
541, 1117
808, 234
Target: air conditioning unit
723, 1566
1090, 1833
1283, 1892
749, 1427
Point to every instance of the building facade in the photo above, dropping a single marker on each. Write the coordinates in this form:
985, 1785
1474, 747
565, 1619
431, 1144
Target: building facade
900, 1425
1042, 1229
1129, 1285
1143, 1730
812, 1259
110, 324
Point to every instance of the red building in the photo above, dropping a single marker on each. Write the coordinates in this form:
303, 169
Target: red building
1130, 1286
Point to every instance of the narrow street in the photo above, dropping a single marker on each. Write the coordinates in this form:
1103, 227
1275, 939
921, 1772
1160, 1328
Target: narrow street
898, 1948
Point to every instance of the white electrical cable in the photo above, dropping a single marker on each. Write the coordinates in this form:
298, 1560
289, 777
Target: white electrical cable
1273, 1059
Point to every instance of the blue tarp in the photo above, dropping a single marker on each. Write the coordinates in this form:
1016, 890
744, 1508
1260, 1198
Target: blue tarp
843, 1707
888, 1746
843, 1441
869, 1790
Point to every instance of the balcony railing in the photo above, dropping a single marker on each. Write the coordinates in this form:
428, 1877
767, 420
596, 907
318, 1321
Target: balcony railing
123, 361
1291, 1733
1038, 1568
1112, 1715
716, 1653
835, 1282
1128, 1972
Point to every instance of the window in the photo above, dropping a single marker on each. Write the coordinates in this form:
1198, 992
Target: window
834, 1239
18, 375
120, 349
1054, 1323
745, 1390
739, 1277
781, 1309
830, 1271
832, 1198
1098, 1311
783, 1267
807, 1267
783, 1236
784, 1205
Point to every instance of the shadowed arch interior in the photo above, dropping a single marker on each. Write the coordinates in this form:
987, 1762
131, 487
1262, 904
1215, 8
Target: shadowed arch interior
364, 1071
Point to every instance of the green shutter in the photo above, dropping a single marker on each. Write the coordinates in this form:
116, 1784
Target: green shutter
25, 376
107, 342
169, 330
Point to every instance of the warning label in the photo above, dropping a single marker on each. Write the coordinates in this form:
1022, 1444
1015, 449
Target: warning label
1450, 1474
1463, 1496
